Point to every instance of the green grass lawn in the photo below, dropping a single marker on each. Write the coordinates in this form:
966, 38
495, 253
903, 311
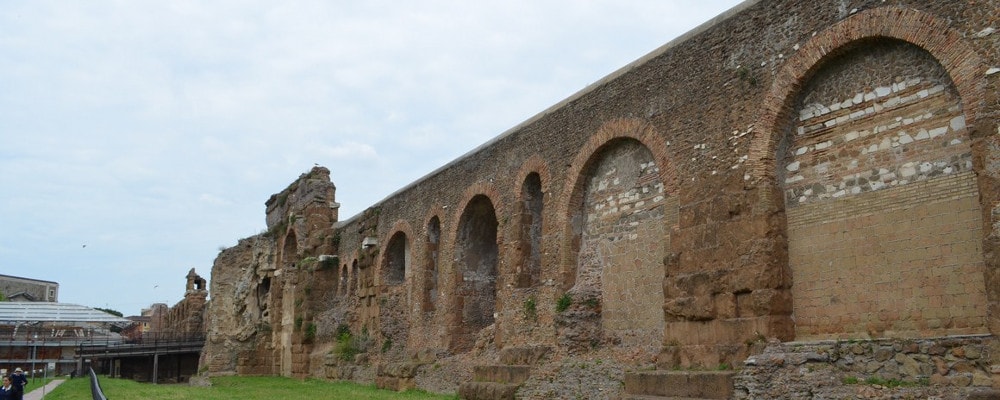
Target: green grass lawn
233, 387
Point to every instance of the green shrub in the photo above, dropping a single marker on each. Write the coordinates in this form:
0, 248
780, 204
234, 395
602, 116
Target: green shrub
530, 309
564, 302
310, 334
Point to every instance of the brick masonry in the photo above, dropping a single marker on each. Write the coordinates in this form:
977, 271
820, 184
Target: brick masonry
792, 170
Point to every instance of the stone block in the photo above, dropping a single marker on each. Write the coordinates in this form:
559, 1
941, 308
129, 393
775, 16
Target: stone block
486, 391
524, 355
394, 384
515, 374
693, 384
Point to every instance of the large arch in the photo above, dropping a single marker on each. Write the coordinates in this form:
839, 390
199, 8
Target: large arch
621, 213
476, 254
865, 133
935, 36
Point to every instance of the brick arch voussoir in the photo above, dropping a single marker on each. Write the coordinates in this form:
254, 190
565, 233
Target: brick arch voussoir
963, 64
492, 192
488, 189
621, 128
398, 226
535, 164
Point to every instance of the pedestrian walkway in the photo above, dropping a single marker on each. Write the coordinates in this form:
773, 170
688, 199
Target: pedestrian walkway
36, 394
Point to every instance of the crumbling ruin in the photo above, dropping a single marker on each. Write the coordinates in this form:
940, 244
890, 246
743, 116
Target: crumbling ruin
792, 184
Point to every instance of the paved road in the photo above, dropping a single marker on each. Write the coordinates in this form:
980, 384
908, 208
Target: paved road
36, 393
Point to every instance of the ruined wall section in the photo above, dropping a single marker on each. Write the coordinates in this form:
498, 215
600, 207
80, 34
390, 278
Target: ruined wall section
713, 107
239, 314
727, 277
270, 288
187, 317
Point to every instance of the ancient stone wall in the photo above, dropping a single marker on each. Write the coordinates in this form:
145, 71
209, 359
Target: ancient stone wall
792, 170
187, 317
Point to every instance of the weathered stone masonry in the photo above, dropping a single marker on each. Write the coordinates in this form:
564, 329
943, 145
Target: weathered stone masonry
791, 171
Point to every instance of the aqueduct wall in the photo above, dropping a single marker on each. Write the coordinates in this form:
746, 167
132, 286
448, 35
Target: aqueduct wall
791, 170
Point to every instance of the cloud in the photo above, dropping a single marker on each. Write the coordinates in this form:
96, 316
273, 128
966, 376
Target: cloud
155, 131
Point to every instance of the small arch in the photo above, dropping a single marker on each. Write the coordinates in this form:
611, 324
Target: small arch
353, 283
431, 269
289, 252
529, 213
397, 259
342, 281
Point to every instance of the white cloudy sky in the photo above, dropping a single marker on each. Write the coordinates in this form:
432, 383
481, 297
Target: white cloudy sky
139, 137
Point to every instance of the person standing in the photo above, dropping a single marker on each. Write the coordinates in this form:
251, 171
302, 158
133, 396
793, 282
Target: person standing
10, 391
18, 379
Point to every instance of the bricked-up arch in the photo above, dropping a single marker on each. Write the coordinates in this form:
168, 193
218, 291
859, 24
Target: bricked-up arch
621, 230
529, 212
396, 260
947, 46
476, 258
342, 281
883, 216
430, 296
353, 282
289, 251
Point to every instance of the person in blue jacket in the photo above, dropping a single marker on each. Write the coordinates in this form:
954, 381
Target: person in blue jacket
10, 390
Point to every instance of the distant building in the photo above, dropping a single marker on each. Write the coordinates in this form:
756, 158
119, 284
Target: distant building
16, 288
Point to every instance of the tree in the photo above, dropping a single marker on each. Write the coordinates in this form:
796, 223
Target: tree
110, 311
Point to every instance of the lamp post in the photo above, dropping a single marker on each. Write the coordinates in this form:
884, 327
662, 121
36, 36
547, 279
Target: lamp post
34, 355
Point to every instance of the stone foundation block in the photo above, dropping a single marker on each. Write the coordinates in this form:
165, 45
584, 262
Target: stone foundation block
523, 355
487, 391
515, 374
394, 383
696, 384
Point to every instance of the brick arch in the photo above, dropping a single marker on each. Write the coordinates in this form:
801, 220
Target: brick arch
617, 215
430, 260
535, 164
866, 246
488, 189
397, 227
622, 128
472, 299
524, 255
959, 59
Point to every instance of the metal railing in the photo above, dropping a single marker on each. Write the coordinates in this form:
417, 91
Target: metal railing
149, 343
95, 387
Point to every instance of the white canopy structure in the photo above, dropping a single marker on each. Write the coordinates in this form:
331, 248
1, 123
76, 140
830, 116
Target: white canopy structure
31, 312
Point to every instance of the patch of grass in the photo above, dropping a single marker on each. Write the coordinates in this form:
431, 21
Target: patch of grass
564, 302
890, 383
850, 380
234, 387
